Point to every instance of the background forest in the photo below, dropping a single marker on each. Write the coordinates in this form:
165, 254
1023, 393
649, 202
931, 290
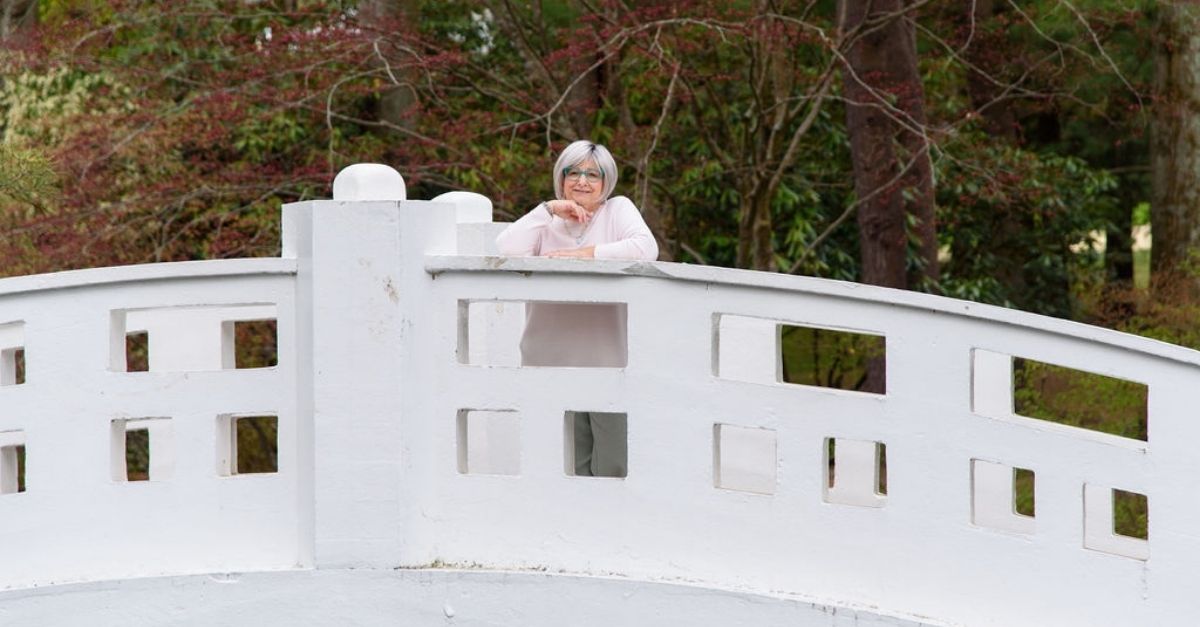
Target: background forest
1001, 151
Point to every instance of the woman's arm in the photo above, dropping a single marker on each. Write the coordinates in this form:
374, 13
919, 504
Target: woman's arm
633, 238
523, 238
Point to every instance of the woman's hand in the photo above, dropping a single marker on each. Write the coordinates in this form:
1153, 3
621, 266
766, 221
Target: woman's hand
587, 252
569, 210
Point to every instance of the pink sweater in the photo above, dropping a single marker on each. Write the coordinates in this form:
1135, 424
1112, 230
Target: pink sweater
579, 334
617, 231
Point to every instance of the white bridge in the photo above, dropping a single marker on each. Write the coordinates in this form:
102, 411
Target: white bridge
423, 475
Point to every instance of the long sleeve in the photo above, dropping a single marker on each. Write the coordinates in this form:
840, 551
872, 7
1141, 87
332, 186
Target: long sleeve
632, 239
523, 238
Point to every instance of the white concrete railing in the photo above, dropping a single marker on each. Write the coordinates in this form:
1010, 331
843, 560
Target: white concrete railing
386, 421
78, 518
943, 543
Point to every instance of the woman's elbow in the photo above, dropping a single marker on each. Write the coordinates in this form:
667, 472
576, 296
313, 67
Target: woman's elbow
648, 247
509, 246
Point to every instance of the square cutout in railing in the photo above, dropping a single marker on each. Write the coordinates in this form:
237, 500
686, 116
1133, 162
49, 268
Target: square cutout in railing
12, 462
745, 459
1002, 496
12, 353
12, 366
596, 444
542, 334
137, 351
855, 472
1078, 398
1024, 492
1116, 521
247, 444
143, 449
255, 343
489, 442
1131, 514
137, 455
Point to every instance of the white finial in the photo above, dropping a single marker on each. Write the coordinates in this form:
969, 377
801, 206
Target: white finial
369, 181
469, 206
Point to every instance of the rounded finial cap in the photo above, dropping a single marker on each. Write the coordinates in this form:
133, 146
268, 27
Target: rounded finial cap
369, 181
469, 206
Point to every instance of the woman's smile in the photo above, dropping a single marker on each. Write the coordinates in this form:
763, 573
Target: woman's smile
583, 191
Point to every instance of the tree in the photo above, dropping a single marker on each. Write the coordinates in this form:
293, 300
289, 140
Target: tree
26, 176
1175, 153
885, 119
178, 127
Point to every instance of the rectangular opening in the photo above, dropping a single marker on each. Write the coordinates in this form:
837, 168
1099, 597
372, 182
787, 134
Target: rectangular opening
1023, 492
1116, 521
830, 465
881, 470
12, 353
489, 442
143, 449
596, 444
137, 351
1079, 399
255, 343
12, 465
257, 445
744, 459
137, 454
12, 366
542, 334
194, 338
1131, 514
1001, 496
833, 359
20, 455
855, 472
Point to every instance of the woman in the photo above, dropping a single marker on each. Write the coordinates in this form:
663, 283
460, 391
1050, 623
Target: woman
584, 222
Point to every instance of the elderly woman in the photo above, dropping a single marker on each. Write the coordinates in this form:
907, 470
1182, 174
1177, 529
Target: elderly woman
582, 221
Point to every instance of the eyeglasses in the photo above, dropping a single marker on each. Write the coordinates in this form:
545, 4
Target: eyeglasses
591, 176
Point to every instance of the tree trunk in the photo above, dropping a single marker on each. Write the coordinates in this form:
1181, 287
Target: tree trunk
755, 249
397, 102
918, 182
1175, 145
885, 118
584, 98
745, 226
16, 15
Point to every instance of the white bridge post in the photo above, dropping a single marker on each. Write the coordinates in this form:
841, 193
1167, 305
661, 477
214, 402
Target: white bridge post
360, 274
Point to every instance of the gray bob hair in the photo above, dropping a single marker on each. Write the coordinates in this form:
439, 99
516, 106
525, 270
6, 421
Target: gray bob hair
581, 151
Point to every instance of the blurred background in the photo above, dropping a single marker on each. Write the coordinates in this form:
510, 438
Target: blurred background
1036, 154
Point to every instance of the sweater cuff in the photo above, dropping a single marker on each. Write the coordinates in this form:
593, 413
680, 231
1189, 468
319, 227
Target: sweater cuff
607, 250
542, 214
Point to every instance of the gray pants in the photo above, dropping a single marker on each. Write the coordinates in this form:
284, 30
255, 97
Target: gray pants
601, 444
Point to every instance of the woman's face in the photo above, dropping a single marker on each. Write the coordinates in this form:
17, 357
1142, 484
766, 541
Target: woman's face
582, 184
